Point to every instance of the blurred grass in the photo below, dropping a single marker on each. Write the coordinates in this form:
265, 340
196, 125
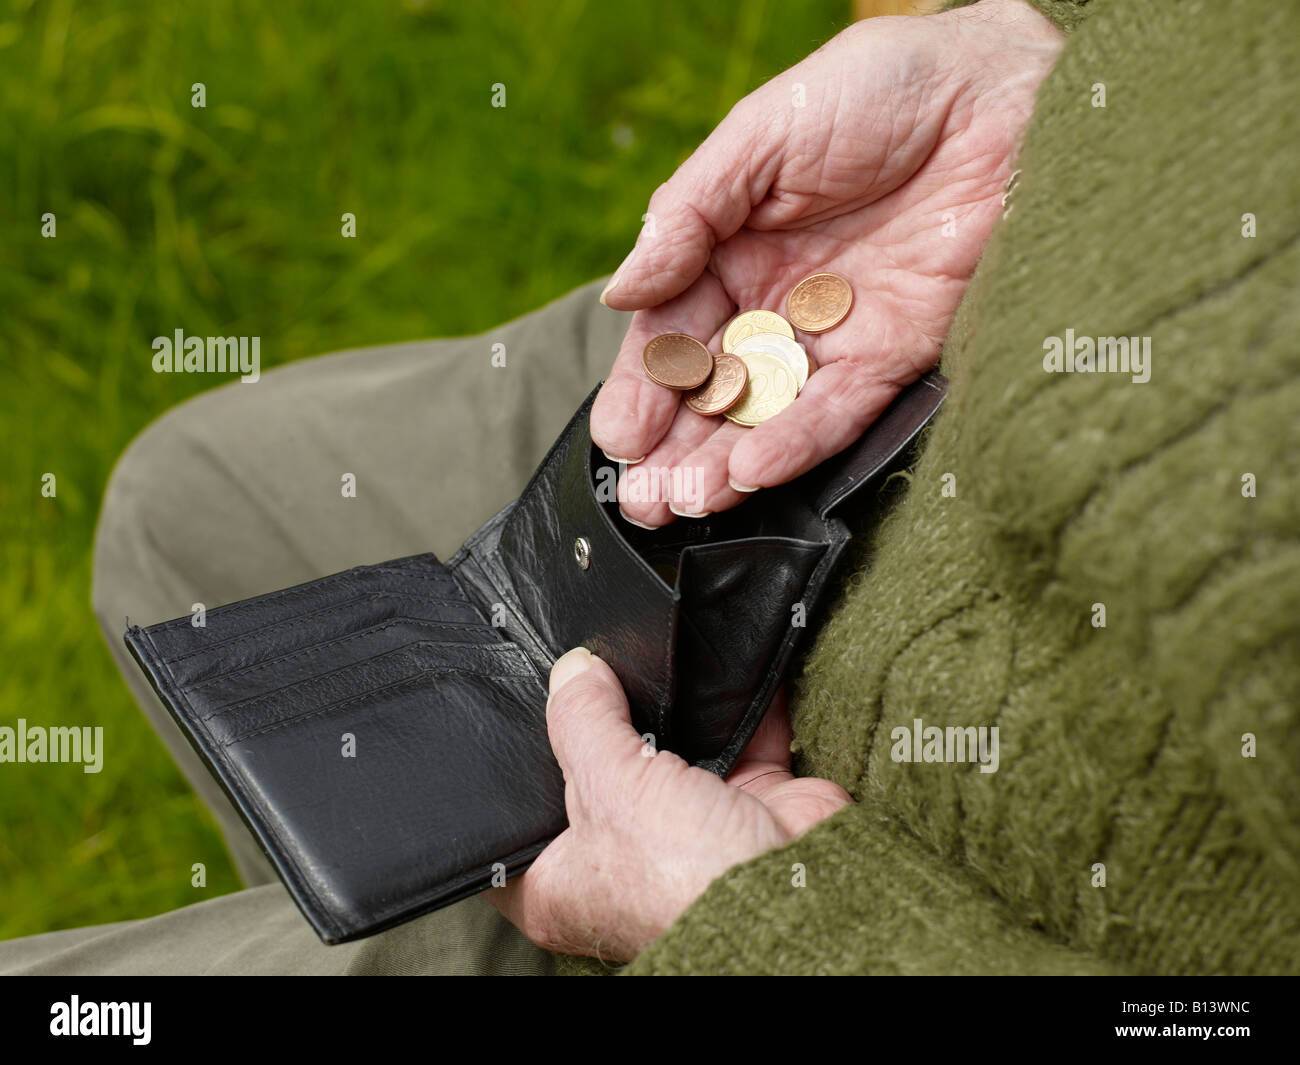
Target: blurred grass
225, 221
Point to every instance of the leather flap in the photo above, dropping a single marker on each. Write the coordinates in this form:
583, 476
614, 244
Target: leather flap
836, 482
562, 566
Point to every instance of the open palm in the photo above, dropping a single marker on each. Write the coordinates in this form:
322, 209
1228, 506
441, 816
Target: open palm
882, 157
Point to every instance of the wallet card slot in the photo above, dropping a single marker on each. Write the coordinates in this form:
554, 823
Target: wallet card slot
336, 620
338, 652
288, 709
353, 683
172, 637
328, 678
216, 633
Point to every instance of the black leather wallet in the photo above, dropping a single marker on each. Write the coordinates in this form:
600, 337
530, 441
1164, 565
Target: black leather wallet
383, 731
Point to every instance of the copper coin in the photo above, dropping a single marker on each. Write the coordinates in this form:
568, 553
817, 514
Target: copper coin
677, 361
723, 387
819, 302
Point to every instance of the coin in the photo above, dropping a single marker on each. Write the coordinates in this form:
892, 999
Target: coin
747, 323
784, 348
677, 361
770, 389
723, 387
819, 302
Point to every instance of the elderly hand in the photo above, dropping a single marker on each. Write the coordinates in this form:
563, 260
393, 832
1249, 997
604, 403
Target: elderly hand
882, 157
647, 832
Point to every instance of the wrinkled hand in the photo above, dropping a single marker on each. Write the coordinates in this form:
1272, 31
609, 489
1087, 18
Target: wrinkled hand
647, 832
891, 174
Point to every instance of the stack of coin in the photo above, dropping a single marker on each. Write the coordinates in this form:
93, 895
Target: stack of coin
762, 367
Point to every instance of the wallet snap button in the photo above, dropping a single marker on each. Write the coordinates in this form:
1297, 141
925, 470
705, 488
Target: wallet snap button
582, 552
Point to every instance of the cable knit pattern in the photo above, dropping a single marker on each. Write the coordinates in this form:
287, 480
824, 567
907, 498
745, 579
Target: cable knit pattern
1119, 745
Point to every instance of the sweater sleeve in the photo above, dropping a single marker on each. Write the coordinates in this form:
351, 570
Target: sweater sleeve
859, 894
1065, 14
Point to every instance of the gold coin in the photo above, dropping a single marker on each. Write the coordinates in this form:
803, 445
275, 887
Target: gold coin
787, 350
819, 302
747, 323
770, 389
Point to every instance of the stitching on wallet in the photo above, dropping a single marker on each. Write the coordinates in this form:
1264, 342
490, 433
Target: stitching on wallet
489, 566
468, 627
351, 699
307, 588
329, 608
504, 648
409, 575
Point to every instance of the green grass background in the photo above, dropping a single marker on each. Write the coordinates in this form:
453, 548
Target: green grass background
226, 221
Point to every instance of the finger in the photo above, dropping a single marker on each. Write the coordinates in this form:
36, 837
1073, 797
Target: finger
765, 761
839, 401
649, 491
686, 473
588, 719
770, 743
632, 413
699, 449
704, 202
798, 805
703, 487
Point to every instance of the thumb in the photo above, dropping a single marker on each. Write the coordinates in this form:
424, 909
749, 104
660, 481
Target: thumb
587, 718
704, 202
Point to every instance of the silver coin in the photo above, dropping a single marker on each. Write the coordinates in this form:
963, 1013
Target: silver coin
788, 351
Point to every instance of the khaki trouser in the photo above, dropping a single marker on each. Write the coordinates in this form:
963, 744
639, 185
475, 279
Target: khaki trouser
237, 492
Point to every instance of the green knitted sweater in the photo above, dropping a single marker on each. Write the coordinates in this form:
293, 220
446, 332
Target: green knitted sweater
1145, 813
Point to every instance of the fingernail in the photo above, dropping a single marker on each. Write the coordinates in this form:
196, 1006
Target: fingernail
687, 514
633, 521
622, 268
610, 287
615, 458
569, 665
742, 487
